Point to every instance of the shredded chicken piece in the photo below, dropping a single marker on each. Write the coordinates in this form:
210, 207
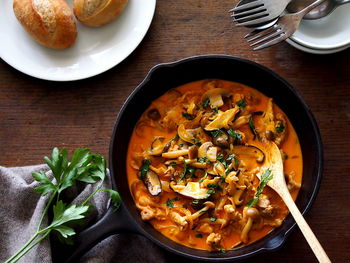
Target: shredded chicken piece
147, 213
179, 220
205, 228
291, 183
214, 241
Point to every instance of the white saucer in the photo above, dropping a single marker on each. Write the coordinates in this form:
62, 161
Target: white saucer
95, 51
315, 51
328, 33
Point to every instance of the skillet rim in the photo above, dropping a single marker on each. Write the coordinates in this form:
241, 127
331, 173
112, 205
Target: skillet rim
318, 154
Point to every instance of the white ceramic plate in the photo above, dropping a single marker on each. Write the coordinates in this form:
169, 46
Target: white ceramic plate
330, 32
95, 51
315, 51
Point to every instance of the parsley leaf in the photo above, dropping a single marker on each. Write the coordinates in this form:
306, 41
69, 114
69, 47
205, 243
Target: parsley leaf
47, 186
188, 116
265, 178
144, 169
237, 137
202, 159
212, 219
205, 104
115, 197
215, 110
216, 133
241, 103
211, 191
253, 130
170, 203
199, 235
280, 128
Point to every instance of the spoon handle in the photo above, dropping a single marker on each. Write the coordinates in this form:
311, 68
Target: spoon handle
305, 229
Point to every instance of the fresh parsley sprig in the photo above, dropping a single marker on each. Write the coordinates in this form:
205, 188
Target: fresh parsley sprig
84, 167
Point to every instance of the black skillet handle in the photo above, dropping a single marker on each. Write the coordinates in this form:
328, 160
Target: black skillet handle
112, 222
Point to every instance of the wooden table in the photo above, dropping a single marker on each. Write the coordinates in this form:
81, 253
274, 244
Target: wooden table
36, 115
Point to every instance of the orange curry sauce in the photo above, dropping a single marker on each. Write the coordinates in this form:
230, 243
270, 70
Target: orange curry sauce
141, 141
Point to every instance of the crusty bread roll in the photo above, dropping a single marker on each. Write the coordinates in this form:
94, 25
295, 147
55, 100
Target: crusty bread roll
98, 12
50, 22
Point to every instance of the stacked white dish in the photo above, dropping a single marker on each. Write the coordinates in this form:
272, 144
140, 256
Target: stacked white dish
326, 35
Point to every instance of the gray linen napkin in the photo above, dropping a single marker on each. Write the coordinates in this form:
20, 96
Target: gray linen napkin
21, 208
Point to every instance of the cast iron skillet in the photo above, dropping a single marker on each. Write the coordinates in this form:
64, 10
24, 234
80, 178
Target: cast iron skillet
166, 76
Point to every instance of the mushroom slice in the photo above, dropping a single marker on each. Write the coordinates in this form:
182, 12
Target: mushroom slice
157, 146
222, 120
185, 134
152, 183
191, 189
215, 97
202, 150
250, 151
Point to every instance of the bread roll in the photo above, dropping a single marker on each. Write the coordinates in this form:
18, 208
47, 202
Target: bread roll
98, 12
50, 22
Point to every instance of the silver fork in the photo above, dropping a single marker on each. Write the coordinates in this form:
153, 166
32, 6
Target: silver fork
283, 29
258, 11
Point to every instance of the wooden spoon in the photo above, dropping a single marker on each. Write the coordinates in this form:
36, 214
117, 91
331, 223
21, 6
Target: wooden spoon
273, 160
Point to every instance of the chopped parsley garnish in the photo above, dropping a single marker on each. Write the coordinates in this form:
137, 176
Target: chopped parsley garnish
202, 159
215, 110
280, 128
253, 130
144, 169
233, 157
169, 202
212, 219
216, 133
211, 191
191, 171
172, 163
195, 202
188, 116
241, 103
183, 175
265, 178
220, 157
216, 186
205, 104
237, 137
199, 235
197, 107
196, 141
181, 145
222, 250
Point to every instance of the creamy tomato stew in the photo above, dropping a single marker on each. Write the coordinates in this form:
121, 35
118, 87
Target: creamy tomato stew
193, 161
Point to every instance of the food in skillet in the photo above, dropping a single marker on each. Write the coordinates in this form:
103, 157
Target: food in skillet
193, 162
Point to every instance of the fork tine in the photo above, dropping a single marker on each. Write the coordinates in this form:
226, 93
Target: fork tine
270, 43
248, 12
251, 17
259, 33
247, 6
254, 21
268, 37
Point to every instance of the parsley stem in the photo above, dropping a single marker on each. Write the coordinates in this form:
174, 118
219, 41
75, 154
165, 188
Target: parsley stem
90, 196
22, 248
19, 255
45, 210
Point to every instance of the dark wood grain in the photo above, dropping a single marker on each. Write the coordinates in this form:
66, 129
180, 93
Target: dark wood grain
36, 115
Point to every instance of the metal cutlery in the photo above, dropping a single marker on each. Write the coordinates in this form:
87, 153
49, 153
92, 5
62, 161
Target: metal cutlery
320, 11
258, 11
283, 29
